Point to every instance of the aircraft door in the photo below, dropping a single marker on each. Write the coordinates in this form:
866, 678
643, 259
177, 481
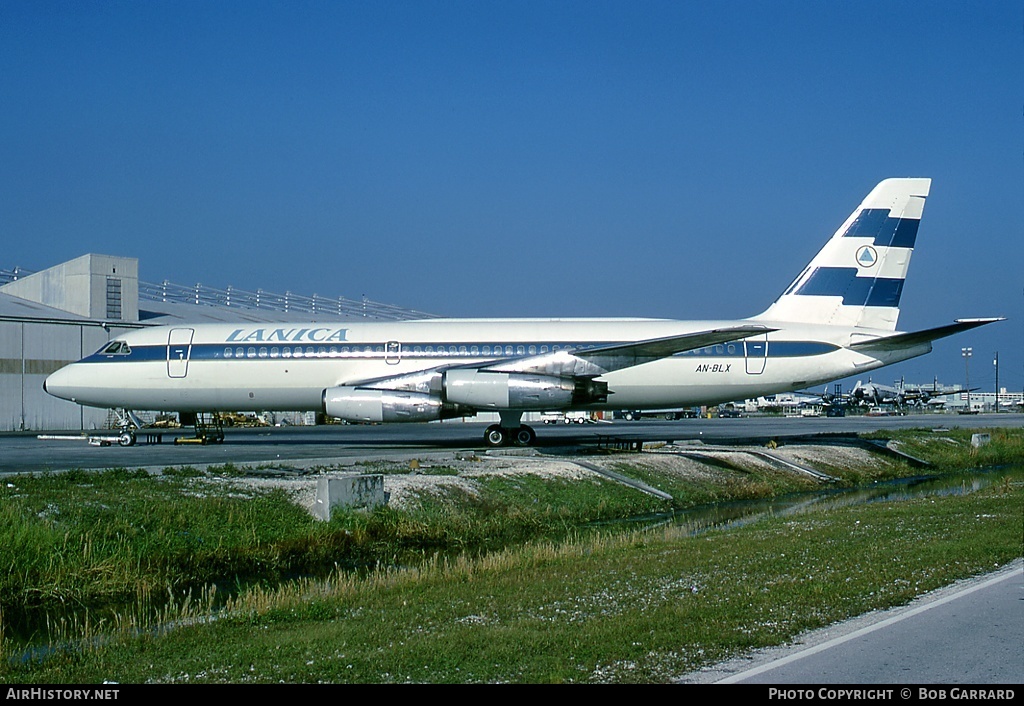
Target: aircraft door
179, 349
393, 352
756, 353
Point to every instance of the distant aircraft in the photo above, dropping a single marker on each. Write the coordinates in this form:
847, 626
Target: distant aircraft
874, 394
787, 401
836, 319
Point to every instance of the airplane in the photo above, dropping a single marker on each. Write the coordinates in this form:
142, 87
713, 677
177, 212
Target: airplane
786, 401
836, 319
875, 394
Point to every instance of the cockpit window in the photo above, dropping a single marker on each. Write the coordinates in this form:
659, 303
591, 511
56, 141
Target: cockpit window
116, 348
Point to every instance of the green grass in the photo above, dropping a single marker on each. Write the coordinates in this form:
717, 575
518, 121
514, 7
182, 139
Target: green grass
645, 607
85, 537
951, 449
127, 538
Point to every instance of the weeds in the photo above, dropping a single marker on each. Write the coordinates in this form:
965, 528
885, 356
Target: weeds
633, 607
154, 542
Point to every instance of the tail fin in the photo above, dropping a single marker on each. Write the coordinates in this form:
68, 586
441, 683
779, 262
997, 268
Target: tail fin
857, 278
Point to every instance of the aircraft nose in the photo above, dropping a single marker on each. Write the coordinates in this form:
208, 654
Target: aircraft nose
59, 384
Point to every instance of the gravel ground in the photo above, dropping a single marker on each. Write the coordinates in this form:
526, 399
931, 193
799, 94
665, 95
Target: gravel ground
405, 479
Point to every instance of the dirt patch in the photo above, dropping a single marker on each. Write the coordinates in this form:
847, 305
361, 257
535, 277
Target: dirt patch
831, 456
407, 479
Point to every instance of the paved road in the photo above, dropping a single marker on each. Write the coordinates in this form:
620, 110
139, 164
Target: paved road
966, 634
333, 444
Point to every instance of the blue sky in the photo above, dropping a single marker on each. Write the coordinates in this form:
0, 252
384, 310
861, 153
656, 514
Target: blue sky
485, 158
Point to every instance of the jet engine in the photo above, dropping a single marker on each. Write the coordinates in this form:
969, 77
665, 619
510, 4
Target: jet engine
368, 405
492, 390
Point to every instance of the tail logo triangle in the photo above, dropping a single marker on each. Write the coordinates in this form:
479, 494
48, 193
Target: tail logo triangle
866, 256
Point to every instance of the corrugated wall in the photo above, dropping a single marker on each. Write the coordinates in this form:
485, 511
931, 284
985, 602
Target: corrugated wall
29, 351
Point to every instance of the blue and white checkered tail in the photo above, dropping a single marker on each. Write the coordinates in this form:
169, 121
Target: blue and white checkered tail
857, 278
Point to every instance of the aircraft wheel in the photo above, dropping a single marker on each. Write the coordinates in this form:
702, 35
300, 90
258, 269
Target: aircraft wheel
495, 436
524, 436
126, 439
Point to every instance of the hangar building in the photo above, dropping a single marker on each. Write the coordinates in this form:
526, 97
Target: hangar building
57, 316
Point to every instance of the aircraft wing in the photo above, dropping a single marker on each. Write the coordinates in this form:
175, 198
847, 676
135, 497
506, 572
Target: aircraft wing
592, 362
583, 363
958, 391
905, 340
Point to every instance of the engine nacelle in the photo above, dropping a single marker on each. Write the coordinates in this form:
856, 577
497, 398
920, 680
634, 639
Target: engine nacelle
491, 390
355, 404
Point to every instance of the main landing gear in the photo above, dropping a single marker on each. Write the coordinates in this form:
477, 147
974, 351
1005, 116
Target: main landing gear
497, 435
509, 432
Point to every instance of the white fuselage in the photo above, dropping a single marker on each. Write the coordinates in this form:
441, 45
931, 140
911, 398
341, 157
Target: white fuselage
256, 367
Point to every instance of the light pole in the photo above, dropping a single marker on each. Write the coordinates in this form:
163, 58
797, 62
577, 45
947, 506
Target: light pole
966, 353
995, 363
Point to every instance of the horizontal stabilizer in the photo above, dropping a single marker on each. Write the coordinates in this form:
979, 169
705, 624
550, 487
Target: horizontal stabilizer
905, 340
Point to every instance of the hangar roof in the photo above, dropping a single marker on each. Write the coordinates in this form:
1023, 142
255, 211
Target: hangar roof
167, 303
16, 308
